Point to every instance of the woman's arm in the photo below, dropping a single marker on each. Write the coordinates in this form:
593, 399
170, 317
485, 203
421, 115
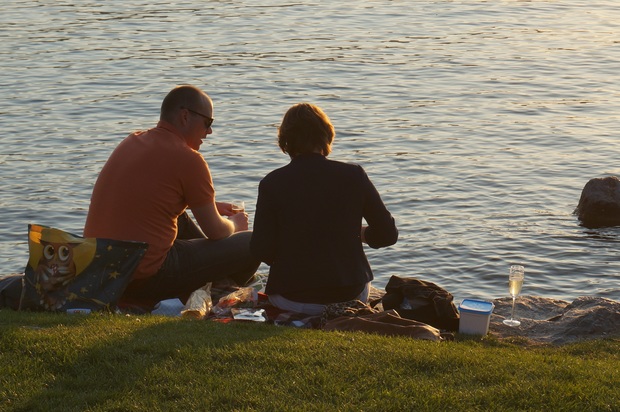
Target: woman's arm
381, 230
263, 242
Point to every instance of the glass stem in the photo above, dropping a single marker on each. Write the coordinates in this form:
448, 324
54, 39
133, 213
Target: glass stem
512, 313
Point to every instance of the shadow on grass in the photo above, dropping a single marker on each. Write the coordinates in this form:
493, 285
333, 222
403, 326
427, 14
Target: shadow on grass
88, 360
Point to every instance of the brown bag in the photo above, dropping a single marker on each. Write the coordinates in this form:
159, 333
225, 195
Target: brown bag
422, 301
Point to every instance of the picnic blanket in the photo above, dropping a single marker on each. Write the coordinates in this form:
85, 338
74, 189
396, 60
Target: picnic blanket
250, 304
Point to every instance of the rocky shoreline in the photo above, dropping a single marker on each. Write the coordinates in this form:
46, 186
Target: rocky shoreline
556, 322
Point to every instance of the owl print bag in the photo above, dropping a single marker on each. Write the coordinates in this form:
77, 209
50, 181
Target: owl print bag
65, 271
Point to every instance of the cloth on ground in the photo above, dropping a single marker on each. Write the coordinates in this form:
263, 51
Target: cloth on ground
351, 308
353, 315
385, 323
349, 316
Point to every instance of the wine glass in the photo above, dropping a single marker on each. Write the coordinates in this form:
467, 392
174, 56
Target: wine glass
515, 282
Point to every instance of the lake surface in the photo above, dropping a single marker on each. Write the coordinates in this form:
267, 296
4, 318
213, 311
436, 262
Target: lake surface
479, 122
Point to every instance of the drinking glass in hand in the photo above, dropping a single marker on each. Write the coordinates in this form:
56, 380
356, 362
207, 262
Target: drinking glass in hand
515, 282
238, 207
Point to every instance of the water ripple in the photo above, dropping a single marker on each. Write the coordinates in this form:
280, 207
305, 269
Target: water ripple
479, 122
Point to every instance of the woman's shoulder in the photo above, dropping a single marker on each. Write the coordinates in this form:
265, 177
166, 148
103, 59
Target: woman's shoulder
276, 174
347, 167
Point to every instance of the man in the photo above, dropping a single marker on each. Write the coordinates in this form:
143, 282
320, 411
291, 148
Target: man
142, 194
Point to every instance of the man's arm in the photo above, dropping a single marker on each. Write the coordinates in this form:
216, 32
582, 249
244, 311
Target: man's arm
215, 226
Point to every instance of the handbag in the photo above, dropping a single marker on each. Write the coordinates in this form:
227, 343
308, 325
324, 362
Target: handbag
422, 301
66, 271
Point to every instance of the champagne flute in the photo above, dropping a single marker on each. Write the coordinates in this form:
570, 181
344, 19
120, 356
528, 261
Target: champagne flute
515, 282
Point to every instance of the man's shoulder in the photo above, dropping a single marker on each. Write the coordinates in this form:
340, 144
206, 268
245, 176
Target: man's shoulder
163, 148
166, 140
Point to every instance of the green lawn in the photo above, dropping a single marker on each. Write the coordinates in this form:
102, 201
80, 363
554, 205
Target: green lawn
58, 362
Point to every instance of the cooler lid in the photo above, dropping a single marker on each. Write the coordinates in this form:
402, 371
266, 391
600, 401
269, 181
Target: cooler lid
482, 307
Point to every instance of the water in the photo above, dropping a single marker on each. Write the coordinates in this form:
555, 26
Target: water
479, 122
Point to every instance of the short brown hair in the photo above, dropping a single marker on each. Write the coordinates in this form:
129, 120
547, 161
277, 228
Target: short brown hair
305, 128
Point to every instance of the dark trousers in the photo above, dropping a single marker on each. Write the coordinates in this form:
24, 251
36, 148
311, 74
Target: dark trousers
192, 262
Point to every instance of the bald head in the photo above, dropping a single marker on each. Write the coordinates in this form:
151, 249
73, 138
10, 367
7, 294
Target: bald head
182, 96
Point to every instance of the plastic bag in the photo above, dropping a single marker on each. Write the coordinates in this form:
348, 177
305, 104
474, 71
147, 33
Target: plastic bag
199, 303
241, 298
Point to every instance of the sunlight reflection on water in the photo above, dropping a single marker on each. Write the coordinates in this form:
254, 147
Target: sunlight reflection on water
479, 123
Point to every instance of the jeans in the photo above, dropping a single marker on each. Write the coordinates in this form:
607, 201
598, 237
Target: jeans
283, 303
193, 261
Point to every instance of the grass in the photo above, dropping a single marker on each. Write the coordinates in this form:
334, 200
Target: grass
100, 362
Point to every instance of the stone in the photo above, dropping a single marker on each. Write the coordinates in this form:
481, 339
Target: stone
557, 322
599, 205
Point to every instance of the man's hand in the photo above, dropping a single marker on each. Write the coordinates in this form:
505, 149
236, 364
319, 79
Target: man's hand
224, 209
213, 225
240, 220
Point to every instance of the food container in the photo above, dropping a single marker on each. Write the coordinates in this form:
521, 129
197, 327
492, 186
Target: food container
475, 316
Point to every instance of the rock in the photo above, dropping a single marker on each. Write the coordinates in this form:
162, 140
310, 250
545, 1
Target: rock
599, 204
557, 322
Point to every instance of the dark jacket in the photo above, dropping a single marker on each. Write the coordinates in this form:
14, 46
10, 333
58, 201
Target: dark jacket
307, 226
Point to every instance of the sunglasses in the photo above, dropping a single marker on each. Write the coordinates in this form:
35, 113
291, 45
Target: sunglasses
208, 120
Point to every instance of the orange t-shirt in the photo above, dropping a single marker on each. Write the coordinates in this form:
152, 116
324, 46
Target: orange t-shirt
148, 181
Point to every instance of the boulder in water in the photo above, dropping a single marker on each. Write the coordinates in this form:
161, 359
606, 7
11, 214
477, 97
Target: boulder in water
599, 204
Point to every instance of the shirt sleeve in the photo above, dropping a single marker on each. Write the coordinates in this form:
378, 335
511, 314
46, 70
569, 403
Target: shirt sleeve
197, 182
264, 235
381, 230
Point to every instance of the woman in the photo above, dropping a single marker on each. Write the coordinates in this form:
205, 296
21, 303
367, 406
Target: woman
308, 223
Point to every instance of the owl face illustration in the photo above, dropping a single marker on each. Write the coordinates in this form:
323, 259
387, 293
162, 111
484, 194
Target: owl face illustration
54, 271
